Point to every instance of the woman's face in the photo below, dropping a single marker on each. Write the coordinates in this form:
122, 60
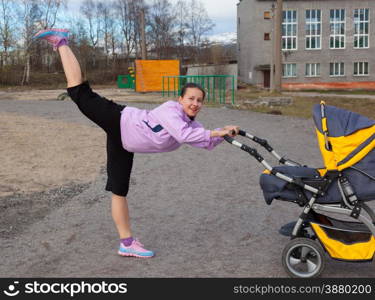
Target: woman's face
192, 101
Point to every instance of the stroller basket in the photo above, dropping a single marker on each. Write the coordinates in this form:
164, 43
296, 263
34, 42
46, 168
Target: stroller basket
345, 244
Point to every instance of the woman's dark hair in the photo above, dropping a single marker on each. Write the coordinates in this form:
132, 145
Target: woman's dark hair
192, 85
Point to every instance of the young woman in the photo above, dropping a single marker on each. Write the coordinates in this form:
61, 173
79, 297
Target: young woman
131, 130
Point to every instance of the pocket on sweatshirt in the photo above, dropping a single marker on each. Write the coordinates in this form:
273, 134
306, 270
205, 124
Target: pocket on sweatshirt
153, 126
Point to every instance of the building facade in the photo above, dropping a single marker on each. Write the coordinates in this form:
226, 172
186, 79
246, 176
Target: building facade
326, 44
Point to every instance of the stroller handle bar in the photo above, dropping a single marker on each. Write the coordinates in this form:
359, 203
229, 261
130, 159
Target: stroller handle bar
253, 152
264, 143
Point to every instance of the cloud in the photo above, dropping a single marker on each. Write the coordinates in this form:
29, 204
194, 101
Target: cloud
222, 13
216, 9
226, 10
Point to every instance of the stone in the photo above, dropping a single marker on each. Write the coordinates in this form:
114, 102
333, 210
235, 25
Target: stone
270, 101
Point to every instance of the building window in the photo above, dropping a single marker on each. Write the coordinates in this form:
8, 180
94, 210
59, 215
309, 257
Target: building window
289, 70
267, 37
289, 30
337, 28
313, 29
336, 69
312, 70
361, 28
267, 15
361, 69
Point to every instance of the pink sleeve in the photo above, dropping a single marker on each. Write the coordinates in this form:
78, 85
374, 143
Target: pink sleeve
172, 121
212, 143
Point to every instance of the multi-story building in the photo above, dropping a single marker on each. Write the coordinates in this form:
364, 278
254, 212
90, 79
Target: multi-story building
325, 43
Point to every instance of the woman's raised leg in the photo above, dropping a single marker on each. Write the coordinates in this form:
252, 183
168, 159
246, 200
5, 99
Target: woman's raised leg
71, 66
58, 38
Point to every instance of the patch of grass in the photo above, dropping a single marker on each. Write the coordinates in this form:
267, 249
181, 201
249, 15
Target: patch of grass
302, 106
338, 92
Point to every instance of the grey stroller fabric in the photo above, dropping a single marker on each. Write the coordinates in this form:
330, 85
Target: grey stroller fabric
275, 188
361, 176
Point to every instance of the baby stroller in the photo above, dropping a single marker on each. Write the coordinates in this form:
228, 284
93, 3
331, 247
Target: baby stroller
343, 187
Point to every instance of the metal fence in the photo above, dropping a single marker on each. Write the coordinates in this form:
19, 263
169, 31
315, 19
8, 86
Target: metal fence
218, 87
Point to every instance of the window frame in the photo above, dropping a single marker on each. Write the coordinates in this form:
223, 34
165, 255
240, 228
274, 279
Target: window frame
334, 69
310, 24
363, 68
359, 35
286, 24
316, 69
335, 22
288, 75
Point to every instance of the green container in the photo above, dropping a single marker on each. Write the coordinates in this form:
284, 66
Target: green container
126, 82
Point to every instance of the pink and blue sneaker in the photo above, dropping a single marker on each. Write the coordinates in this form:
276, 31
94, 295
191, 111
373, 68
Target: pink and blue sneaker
135, 249
55, 37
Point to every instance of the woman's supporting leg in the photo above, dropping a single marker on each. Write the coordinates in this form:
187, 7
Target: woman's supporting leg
71, 66
120, 215
128, 245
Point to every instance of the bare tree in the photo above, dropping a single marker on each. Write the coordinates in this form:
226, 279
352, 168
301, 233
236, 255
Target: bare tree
181, 27
90, 10
49, 10
129, 12
162, 22
127, 25
30, 13
113, 32
77, 29
6, 29
103, 9
49, 13
199, 24
78, 38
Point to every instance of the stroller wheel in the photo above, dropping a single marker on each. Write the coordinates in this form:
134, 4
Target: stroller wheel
303, 258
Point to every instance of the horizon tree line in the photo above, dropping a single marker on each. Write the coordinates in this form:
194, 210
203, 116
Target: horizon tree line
106, 35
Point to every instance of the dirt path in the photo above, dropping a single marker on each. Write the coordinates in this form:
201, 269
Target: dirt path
327, 95
202, 212
111, 93
41, 153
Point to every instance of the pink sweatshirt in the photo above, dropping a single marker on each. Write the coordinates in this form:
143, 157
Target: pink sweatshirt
163, 129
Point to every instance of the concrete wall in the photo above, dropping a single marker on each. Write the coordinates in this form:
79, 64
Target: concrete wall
251, 47
253, 50
228, 69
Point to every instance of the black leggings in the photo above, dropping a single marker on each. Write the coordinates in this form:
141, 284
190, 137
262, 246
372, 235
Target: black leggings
107, 114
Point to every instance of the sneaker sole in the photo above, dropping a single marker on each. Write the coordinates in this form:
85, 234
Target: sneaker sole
50, 32
133, 255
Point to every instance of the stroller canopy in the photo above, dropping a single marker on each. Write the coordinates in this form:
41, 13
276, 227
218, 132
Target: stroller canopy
344, 137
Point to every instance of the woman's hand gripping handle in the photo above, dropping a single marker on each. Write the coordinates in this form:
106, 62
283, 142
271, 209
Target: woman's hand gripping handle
230, 130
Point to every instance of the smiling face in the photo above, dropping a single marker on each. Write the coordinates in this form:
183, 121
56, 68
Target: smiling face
191, 101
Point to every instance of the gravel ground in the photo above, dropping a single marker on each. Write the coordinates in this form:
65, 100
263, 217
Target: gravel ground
202, 212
